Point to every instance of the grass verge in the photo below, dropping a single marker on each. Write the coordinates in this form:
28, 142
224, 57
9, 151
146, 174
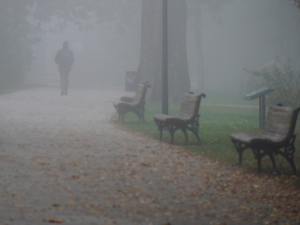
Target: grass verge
216, 123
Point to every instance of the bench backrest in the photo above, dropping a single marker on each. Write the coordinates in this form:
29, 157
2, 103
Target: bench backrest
189, 106
280, 123
140, 94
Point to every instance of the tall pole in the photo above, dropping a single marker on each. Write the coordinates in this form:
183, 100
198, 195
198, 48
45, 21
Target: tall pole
165, 57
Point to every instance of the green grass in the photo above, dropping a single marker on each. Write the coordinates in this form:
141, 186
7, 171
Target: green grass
216, 123
226, 97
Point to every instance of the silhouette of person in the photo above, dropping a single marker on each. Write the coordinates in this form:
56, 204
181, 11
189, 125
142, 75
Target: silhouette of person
64, 59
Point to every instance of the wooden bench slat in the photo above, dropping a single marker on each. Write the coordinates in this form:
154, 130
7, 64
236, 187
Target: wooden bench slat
279, 119
186, 118
278, 133
136, 105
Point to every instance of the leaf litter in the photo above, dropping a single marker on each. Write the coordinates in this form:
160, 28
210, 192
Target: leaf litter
121, 178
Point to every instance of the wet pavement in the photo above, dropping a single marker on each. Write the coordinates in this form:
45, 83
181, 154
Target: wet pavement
61, 158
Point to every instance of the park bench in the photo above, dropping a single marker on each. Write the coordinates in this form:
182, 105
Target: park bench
277, 137
133, 104
186, 119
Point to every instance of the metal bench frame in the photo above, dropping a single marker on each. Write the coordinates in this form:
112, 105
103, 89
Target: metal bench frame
133, 104
186, 119
277, 137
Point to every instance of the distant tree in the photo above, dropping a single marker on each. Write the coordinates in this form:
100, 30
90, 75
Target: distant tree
21, 27
214, 7
151, 44
286, 19
16, 40
297, 3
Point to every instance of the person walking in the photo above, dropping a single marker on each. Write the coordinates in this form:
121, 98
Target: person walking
64, 59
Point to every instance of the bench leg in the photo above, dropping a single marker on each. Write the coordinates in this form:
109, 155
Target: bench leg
172, 130
140, 113
142, 116
121, 113
186, 136
288, 153
273, 161
198, 138
118, 111
194, 127
172, 137
160, 134
240, 148
258, 165
195, 132
259, 154
160, 126
290, 159
293, 166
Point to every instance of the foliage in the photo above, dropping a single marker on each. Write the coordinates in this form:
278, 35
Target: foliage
297, 3
280, 77
19, 34
21, 26
15, 46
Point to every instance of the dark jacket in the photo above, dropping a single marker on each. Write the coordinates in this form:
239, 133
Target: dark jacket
64, 59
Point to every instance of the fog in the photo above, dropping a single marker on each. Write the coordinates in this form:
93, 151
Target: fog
102, 55
249, 34
63, 161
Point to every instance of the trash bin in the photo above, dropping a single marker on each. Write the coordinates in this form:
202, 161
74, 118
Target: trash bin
131, 80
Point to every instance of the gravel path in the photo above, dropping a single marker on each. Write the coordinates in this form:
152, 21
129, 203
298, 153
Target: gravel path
61, 158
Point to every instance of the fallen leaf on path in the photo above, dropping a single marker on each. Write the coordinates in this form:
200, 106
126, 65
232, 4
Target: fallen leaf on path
51, 220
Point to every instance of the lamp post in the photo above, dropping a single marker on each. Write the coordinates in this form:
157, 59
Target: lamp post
164, 57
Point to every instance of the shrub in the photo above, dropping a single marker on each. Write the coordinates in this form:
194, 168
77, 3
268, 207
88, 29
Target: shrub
280, 77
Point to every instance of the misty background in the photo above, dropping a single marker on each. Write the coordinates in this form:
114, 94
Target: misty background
244, 34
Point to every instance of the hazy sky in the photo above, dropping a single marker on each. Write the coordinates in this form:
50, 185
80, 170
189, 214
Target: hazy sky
251, 34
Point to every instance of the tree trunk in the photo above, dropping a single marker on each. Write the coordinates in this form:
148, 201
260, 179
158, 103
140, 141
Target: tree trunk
179, 80
199, 48
150, 59
150, 63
